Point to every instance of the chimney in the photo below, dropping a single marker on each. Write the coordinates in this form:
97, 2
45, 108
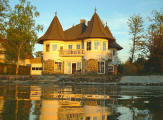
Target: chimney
82, 21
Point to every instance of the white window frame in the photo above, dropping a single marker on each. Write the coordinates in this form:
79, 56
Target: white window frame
104, 46
77, 66
101, 67
96, 45
78, 46
54, 47
70, 48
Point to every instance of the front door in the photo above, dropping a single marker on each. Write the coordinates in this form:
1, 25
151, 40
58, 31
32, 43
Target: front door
73, 68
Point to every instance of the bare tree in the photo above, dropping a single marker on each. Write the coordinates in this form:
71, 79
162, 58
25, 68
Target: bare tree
135, 24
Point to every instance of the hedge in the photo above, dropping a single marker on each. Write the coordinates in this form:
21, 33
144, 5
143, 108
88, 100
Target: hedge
10, 69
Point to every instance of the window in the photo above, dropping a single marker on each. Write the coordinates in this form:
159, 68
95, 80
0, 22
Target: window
40, 68
47, 47
36, 68
87, 118
101, 67
70, 47
78, 66
61, 47
28, 64
104, 46
54, 47
94, 118
33, 68
88, 45
59, 66
103, 117
110, 68
96, 45
78, 46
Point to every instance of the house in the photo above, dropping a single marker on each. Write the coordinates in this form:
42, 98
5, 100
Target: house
36, 66
82, 48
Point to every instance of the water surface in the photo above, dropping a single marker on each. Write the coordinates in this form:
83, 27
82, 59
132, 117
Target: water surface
80, 102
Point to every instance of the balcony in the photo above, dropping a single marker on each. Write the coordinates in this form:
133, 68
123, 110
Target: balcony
69, 53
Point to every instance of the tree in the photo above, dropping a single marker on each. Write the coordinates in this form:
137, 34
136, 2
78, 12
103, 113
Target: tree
21, 32
4, 11
39, 54
135, 24
154, 42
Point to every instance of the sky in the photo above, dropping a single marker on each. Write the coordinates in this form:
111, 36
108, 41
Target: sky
115, 12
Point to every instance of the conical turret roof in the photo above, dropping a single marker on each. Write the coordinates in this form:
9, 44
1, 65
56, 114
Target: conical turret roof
95, 28
108, 32
54, 32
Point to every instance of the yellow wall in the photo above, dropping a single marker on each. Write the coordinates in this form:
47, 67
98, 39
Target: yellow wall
93, 53
54, 55
27, 61
49, 110
95, 111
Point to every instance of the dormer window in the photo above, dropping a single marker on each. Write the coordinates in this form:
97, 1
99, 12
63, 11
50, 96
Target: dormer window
88, 46
47, 47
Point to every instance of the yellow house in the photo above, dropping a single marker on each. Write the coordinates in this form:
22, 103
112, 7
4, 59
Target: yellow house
79, 49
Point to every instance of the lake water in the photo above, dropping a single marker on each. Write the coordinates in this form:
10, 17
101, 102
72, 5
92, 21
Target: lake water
80, 102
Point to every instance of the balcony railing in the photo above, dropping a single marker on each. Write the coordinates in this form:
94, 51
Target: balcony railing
75, 52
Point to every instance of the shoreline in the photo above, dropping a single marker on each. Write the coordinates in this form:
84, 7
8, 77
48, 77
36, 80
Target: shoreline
150, 80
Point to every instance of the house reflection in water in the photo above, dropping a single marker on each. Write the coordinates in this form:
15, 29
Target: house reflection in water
69, 106
53, 102
71, 110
